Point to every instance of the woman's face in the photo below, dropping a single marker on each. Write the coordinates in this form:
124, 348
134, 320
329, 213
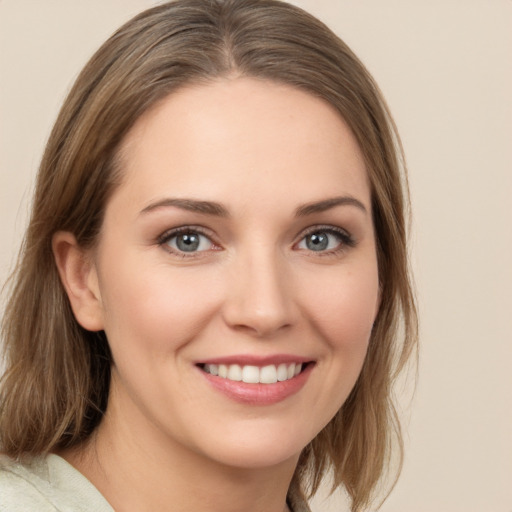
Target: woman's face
239, 243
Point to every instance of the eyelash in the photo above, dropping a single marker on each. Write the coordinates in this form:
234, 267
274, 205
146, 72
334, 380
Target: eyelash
164, 239
345, 239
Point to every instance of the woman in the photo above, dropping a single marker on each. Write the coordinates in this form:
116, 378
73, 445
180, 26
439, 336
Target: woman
206, 307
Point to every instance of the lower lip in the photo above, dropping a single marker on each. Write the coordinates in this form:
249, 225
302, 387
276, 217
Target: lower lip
259, 394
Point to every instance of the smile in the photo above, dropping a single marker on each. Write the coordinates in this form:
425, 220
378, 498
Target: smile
251, 374
257, 380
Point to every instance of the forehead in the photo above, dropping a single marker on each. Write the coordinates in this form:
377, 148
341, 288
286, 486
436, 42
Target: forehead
251, 135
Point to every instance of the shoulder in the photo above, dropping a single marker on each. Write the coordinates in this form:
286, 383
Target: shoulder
20, 488
46, 484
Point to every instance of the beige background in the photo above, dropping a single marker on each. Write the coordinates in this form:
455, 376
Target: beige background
445, 68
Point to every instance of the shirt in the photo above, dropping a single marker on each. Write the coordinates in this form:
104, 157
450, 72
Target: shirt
50, 484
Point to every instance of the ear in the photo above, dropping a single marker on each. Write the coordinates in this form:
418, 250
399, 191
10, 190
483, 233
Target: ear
80, 280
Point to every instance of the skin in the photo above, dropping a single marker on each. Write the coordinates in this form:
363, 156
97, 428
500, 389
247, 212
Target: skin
170, 440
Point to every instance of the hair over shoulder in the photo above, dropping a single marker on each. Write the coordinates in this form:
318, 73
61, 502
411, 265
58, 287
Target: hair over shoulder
55, 387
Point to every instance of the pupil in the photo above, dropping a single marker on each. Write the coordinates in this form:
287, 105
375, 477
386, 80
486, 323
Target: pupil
317, 242
187, 242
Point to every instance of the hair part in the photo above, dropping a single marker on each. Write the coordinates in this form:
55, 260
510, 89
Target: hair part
56, 386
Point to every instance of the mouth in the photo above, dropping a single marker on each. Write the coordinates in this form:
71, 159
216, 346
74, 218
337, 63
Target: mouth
252, 374
257, 380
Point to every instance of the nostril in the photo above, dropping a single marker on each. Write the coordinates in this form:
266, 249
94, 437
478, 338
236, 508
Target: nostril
259, 303
262, 330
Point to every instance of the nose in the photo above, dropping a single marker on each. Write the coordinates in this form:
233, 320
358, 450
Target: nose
260, 297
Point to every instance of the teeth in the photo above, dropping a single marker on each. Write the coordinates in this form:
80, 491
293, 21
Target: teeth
234, 372
282, 372
211, 368
253, 374
268, 374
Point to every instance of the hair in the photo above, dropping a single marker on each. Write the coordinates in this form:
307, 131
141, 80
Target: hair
55, 388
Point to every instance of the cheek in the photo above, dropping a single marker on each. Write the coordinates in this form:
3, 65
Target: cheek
155, 311
344, 306
341, 308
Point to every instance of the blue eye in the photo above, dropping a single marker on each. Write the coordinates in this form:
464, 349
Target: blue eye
188, 242
325, 240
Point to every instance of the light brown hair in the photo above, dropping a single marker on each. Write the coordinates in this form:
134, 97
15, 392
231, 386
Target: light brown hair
56, 385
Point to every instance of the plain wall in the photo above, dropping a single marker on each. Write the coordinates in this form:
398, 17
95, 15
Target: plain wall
445, 69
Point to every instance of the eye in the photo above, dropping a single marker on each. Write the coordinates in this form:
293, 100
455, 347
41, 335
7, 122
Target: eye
186, 240
326, 240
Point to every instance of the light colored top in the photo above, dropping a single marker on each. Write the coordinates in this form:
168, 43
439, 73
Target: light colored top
47, 484
50, 484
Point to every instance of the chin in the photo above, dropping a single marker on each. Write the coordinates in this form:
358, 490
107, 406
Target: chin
257, 458
258, 446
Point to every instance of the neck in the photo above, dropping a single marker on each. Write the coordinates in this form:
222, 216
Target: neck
150, 472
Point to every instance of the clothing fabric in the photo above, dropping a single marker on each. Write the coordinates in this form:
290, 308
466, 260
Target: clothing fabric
47, 484
50, 484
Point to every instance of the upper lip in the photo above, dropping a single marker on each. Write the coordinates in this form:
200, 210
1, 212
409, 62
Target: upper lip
254, 360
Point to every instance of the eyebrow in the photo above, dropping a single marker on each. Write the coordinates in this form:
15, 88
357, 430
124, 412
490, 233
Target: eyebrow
327, 204
218, 210
191, 205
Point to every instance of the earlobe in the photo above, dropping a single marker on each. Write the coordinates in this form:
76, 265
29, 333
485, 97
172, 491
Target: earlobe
80, 280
